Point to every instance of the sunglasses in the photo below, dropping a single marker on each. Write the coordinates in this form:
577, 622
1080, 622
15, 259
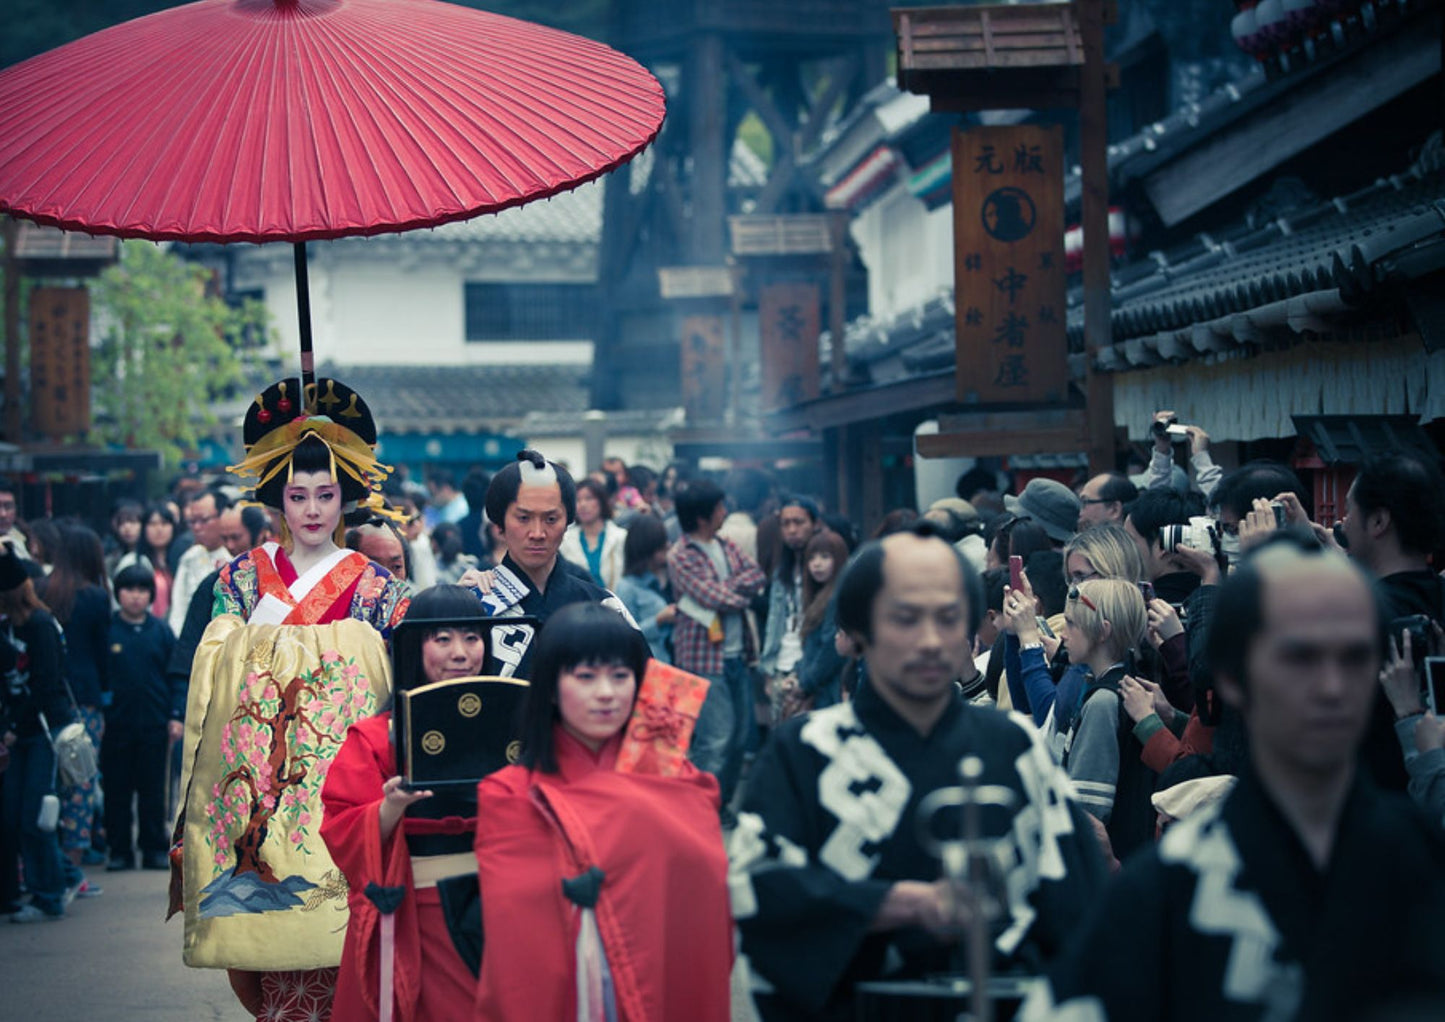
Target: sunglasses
1077, 597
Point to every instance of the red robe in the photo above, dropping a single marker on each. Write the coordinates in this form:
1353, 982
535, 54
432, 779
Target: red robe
662, 913
431, 983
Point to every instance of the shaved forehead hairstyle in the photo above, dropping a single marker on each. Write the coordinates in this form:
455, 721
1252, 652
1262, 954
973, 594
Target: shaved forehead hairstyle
862, 581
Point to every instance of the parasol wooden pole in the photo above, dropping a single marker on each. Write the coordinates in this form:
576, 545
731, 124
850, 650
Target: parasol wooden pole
303, 313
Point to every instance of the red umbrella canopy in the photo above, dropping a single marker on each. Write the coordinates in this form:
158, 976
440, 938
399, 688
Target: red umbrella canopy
268, 120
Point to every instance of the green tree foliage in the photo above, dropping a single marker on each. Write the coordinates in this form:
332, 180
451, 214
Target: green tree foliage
169, 350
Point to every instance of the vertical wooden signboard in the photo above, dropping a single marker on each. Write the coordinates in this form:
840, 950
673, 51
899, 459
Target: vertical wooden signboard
1008, 208
60, 360
704, 368
789, 321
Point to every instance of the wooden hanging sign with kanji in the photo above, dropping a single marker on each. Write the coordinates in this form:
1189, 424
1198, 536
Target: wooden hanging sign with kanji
1008, 208
60, 361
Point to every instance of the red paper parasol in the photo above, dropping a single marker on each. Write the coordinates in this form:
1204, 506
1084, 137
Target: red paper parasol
290, 120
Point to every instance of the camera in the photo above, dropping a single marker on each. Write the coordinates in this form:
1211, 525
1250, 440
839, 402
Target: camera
1280, 518
1177, 434
1199, 534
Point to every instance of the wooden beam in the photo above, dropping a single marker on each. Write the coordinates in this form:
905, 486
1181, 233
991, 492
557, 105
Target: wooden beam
865, 404
842, 72
1288, 126
762, 105
983, 443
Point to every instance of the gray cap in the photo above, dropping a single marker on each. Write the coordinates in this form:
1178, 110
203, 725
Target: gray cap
1051, 504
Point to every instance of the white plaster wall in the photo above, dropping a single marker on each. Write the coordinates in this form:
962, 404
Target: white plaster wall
908, 251
372, 312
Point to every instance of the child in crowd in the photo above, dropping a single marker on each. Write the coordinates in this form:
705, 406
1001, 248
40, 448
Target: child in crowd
143, 716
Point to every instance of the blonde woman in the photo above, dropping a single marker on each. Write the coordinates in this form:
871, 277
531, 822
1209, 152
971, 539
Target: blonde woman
1104, 622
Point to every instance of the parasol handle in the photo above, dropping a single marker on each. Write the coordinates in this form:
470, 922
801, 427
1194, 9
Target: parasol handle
303, 314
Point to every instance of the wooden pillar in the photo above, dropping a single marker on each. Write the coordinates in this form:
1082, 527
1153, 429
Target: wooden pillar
13, 418
1093, 158
843, 472
870, 473
838, 297
707, 109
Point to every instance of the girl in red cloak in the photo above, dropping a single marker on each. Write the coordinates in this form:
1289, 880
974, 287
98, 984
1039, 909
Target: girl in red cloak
603, 888
384, 853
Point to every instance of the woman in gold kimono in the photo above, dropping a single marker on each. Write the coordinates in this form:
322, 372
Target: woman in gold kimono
295, 653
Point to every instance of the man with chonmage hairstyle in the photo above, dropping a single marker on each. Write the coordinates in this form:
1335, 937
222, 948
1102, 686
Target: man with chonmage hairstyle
1307, 893
532, 500
830, 883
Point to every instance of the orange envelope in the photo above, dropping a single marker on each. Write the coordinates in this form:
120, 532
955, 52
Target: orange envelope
660, 729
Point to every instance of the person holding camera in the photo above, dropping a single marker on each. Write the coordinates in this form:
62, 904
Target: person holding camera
33, 697
1306, 893
1104, 620
1394, 520
1167, 433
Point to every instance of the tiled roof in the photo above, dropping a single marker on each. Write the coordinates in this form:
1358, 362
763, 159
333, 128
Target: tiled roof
1303, 270
1331, 245
457, 399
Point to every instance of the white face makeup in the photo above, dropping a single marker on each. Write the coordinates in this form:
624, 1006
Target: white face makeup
311, 503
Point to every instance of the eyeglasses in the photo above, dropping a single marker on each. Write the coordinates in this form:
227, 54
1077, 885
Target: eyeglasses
200, 520
1077, 597
1083, 576
1094, 500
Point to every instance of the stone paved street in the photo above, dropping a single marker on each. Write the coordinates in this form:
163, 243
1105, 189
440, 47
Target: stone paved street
111, 958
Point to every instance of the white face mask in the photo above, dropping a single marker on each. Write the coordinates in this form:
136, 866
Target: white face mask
1229, 544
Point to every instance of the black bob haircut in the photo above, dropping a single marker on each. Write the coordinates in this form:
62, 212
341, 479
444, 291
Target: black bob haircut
135, 576
863, 579
502, 491
435, 603
695, 501
1239, 607
579, 633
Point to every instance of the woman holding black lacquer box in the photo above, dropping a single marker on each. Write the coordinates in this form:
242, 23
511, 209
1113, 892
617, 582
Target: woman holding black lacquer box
402, 848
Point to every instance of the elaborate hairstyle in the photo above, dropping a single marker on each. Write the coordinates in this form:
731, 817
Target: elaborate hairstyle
816, 596
863, 579
439, 602
1109, 550
645, 536
328, 429
1115, 601
579, 633
502, 491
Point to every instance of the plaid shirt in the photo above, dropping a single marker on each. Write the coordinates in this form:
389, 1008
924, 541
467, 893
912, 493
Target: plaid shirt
693, 574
